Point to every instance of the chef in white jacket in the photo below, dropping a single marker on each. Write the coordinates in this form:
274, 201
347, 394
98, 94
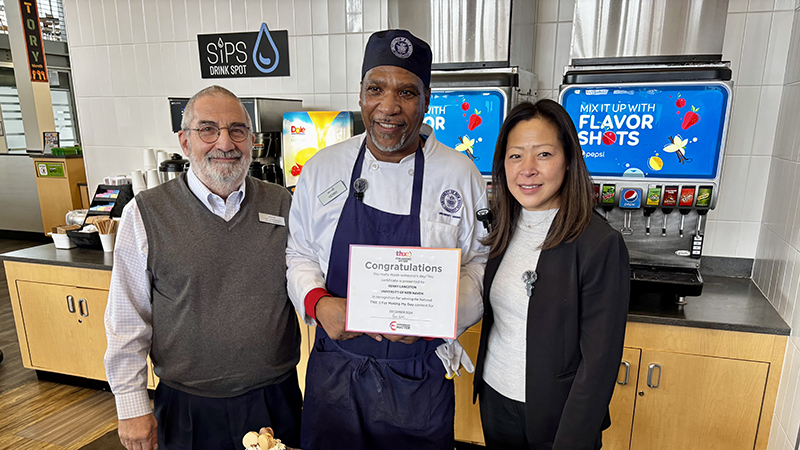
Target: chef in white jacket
383, 391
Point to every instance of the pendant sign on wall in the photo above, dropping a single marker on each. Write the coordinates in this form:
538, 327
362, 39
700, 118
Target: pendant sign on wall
33, 40
244, 55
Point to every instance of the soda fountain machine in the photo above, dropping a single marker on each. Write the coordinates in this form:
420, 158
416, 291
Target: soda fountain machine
653, 134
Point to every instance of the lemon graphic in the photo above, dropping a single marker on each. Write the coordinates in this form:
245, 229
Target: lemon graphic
304, 155
656, 163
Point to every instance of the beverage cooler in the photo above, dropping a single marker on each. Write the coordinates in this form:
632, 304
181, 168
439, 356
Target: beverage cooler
653, 135
307, 132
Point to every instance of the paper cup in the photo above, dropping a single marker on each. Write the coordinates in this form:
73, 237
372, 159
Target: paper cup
108, 241
152, 178
149, 159
137, 179
162, 156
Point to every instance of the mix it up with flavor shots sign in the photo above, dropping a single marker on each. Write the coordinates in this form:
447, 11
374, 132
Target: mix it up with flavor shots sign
263, 53
650, 131
469, 121
33, 40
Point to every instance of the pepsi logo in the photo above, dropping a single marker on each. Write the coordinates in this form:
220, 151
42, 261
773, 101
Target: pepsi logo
631, 195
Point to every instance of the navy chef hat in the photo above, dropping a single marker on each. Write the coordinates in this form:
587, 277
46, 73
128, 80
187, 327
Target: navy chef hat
398, 48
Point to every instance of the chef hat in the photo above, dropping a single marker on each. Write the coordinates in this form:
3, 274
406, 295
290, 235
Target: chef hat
398, 48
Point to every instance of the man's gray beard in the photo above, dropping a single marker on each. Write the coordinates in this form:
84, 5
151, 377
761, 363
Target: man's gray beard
391, 149
222, 177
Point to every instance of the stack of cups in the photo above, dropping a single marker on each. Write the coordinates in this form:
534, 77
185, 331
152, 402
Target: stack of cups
152, 178
137, 182
149, 160
162, 156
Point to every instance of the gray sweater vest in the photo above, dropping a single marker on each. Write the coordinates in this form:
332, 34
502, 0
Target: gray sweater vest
222, 320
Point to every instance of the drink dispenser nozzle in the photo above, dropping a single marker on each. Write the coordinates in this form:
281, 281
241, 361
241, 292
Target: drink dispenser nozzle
629, 199
686, 202
607, 198
653, 200
703, 203
647, 213
670, 201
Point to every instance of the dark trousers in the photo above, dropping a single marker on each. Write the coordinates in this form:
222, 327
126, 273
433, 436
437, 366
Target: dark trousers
192, 422
504, 423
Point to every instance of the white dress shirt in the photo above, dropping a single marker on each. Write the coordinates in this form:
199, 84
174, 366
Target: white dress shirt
129, 312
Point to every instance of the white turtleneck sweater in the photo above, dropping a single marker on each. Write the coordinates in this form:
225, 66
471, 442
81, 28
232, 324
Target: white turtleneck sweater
504, 368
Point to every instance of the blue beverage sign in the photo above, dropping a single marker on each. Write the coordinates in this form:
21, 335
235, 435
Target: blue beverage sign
469, 121
650, 131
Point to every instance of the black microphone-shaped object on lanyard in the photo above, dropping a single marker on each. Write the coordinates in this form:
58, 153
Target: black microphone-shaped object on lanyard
484, 215
360, 186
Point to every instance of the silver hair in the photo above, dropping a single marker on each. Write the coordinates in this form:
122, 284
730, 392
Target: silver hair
188, 112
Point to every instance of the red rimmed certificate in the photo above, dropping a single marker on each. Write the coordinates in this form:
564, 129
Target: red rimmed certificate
411, 291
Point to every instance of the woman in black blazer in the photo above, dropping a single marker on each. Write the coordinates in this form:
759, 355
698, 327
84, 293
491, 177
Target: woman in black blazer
554, 322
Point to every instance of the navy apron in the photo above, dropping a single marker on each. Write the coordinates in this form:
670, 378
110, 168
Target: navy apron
362, 394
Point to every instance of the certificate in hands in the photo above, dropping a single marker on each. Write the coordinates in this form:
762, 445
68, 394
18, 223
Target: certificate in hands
411, 291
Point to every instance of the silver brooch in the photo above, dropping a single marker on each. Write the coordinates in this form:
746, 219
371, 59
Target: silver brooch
529, 277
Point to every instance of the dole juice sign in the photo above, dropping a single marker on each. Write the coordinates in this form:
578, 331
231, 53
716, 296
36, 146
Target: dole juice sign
650, 131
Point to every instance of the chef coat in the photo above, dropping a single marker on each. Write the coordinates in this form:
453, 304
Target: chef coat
452, 191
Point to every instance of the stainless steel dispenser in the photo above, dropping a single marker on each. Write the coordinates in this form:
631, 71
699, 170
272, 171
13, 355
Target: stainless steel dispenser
650, 96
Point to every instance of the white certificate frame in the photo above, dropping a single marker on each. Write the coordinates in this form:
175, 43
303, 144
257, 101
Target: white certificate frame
409, 291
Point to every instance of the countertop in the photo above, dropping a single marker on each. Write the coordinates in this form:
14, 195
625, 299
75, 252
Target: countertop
733, 304
51, 156
49, 255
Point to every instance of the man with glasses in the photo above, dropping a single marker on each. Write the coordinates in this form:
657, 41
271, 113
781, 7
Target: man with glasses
193, 289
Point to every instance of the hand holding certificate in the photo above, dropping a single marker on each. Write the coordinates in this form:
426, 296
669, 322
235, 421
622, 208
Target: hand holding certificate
410, 291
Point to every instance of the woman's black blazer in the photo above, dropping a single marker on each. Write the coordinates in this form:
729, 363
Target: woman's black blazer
575, 334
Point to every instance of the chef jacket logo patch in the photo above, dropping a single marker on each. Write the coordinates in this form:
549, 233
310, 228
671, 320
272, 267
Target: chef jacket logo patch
401, 47
451, 201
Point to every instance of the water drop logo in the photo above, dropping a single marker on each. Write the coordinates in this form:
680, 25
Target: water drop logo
265, 53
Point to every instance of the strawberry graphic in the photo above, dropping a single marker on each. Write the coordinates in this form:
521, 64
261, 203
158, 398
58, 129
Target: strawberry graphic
474, 120
609, 137
690, 118
680, 103
296, 169
465, 106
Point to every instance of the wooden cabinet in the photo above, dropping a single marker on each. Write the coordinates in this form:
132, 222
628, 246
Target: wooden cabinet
58, 312
695, 388
714, 402
468, 415
57, 181
622, 404
64, 327
716, 390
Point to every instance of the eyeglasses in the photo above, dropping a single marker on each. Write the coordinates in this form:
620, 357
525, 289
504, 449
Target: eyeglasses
210, 133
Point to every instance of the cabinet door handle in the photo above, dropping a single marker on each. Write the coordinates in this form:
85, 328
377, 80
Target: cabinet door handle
650, 370
627, 373
84, 307
71, 304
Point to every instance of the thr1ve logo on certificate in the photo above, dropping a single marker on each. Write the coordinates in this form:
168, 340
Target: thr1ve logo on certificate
263, 53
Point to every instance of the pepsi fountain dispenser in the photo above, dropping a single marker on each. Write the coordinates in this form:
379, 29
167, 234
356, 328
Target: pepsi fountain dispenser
654, 148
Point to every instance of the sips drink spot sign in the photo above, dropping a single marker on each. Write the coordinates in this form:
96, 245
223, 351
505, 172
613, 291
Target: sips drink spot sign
263, 53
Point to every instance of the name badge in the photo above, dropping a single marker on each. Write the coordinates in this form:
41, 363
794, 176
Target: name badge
269, 218
332, 192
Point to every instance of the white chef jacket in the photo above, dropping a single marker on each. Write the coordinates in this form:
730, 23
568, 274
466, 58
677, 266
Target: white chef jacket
452, 190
